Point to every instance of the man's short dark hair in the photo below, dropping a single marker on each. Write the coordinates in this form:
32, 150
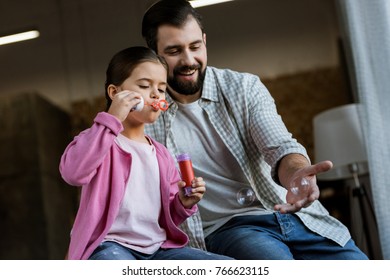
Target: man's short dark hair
170, 12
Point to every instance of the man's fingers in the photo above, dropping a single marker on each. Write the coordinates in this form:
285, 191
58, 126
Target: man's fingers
320, 167
286, 208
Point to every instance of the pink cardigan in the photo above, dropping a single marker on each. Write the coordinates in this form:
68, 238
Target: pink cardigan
93, 161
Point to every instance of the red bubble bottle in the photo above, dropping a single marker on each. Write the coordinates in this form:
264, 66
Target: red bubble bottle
186, 171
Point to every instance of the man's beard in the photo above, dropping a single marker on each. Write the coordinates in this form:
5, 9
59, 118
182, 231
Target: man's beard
187, 87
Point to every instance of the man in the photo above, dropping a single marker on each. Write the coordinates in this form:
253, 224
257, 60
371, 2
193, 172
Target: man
262, 198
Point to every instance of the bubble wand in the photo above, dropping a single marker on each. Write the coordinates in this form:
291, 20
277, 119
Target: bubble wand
157, 105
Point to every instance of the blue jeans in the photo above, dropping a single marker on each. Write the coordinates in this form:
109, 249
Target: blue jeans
276, 237
113, 251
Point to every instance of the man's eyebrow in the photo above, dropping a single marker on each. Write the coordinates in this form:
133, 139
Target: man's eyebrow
197, 42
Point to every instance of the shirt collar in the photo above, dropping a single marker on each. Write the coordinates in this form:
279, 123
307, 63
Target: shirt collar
210, 86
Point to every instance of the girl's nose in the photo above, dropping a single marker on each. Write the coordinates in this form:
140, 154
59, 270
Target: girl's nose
155, 94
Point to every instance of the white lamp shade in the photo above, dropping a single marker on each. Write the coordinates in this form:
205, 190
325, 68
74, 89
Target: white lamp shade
338, 137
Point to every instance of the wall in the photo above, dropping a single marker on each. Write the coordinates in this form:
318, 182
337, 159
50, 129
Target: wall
36, 206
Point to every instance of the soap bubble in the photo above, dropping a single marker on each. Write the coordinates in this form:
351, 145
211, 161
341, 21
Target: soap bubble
245, 196
299, 187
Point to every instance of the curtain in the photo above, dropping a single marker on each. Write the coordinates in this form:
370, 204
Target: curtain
365, 26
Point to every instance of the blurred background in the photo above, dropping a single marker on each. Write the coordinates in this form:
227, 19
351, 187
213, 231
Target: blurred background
52, 87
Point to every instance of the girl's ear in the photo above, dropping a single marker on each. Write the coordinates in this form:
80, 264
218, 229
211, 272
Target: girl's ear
112, 90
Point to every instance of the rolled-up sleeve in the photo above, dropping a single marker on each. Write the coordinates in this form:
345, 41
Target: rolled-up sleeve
268, 130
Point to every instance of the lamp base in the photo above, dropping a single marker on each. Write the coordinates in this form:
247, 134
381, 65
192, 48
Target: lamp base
368, 220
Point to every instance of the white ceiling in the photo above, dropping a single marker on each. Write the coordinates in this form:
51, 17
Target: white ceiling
78, 37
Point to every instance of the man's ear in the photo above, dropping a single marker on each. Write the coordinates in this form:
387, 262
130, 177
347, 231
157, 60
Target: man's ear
204, 38
112, 90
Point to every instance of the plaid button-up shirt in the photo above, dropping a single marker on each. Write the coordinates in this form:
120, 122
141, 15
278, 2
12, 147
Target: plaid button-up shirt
244, 115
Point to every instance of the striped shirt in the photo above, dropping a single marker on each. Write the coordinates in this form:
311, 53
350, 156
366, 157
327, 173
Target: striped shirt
244, 114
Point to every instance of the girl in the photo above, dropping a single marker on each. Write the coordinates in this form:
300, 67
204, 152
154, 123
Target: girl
132, 199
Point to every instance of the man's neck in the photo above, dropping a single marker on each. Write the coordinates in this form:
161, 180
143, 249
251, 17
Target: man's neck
184, 99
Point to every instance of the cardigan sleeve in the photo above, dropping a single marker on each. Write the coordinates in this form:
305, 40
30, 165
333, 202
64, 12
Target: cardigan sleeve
86, 152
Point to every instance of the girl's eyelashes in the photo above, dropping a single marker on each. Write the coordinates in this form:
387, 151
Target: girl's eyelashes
161, 90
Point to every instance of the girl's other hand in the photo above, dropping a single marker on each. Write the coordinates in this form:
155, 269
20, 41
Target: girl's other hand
197, 192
